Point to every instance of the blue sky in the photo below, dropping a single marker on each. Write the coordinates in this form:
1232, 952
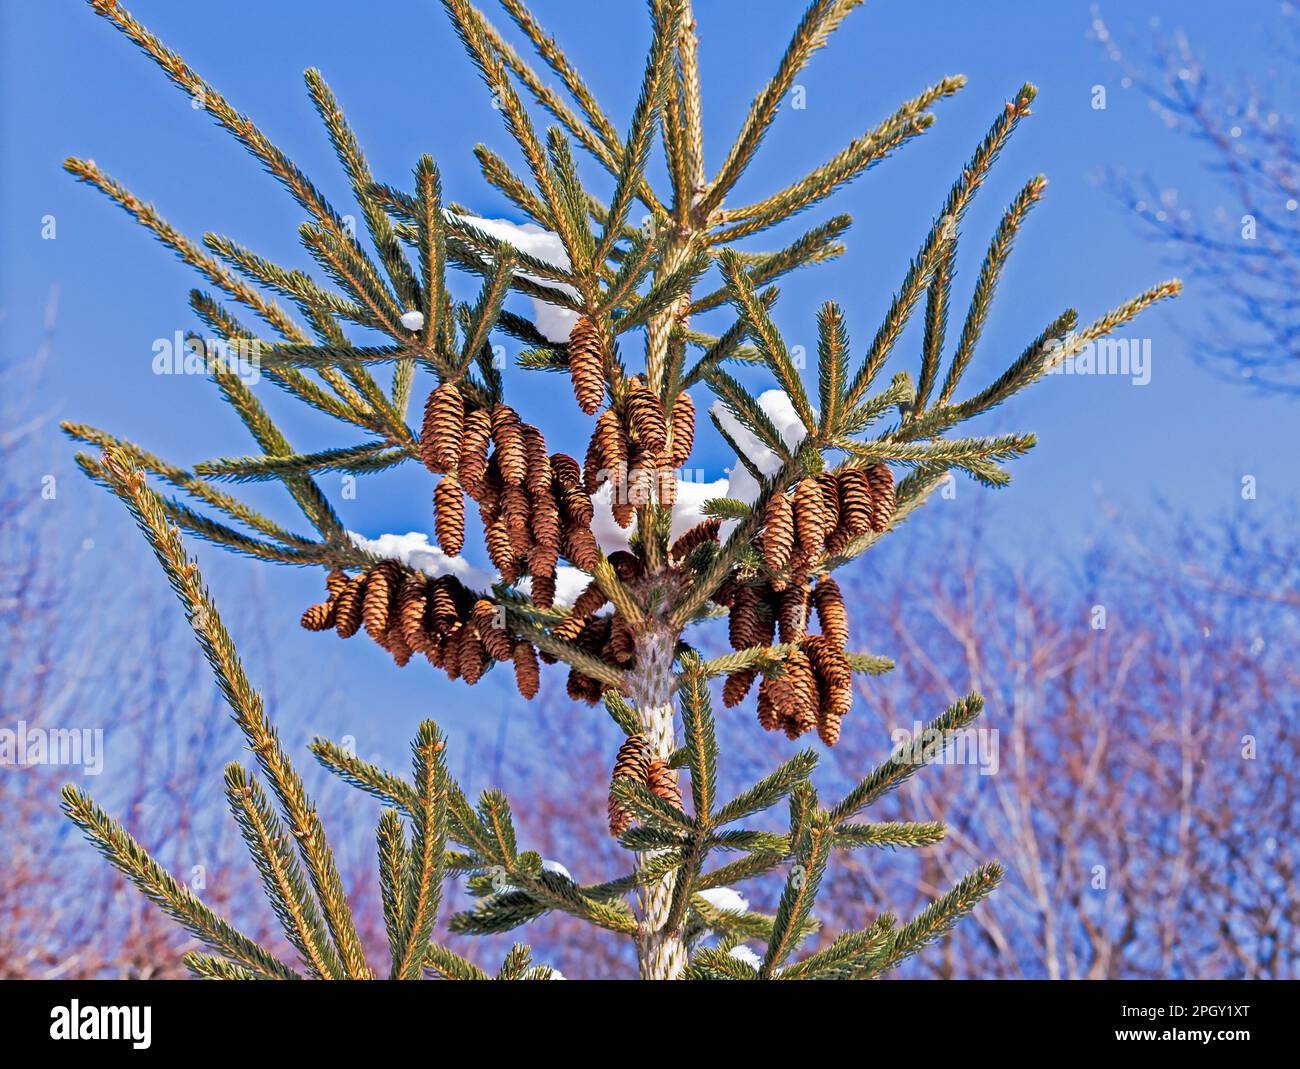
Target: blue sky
74, 86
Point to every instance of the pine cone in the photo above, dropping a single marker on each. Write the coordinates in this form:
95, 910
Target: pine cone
828, 726
628, 566
743, 628
527, 674
707, 531
662, 780
395, 643
793, 613
590, 601
474, 450
582, 688
645, 417
632, 763
497, 640
497, 539
472, 655
855, 501
831, 613
778, 531
319, 617
769, 709
381, 592
449, 651
665, 484
800, 712
538, 479
611, 451
575, 502
335, 581
442, 609
580, 548
508, 435
544, 520
449, 515
586, 365
881, 480
443, 429
683, 424
830, 500
621, 647
810, 517
412, 600
737, 686
543, 587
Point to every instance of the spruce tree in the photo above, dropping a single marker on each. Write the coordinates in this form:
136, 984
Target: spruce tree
620, 284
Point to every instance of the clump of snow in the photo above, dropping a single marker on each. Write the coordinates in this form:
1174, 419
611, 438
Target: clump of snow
743, 953
776, 405
412, 320
727, 899
556, 974
555, 867
413, 550
554, 322
691, 494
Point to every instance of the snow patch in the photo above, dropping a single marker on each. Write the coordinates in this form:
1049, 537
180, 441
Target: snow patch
552, 321
555, 867
414, 550
743, 953
413, 320
727, 899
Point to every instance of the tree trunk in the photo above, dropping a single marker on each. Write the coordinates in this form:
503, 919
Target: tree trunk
660, 952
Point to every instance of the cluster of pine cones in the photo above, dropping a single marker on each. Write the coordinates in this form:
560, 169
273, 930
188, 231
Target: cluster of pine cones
823, 515
636, 446
408, 613
532, 504
635, 762
814, 687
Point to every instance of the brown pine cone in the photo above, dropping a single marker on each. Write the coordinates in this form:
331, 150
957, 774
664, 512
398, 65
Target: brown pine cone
580, 547
792, 614
443, 429
611, 451
665, 484
395, 643
645, 417
633, 763
586, 365
831, 613
412, 601
474, 450
527, 674
769, 708
737, 686
544, 520
319, 617
590, 601
662, 780
881, 479
543, 590
621, 647
799, 714
743, 628
449, 515
497, 539
706, 531
538, 479
778, 531
490, 489
335, 581
512, 454
809, 517
627, 566
449, 651
683, 426
442, 610
582, 688
473, 657
855, 501
830, 500
639, 490
828, 726
381, 592
496, 638
575, 502
515, 511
